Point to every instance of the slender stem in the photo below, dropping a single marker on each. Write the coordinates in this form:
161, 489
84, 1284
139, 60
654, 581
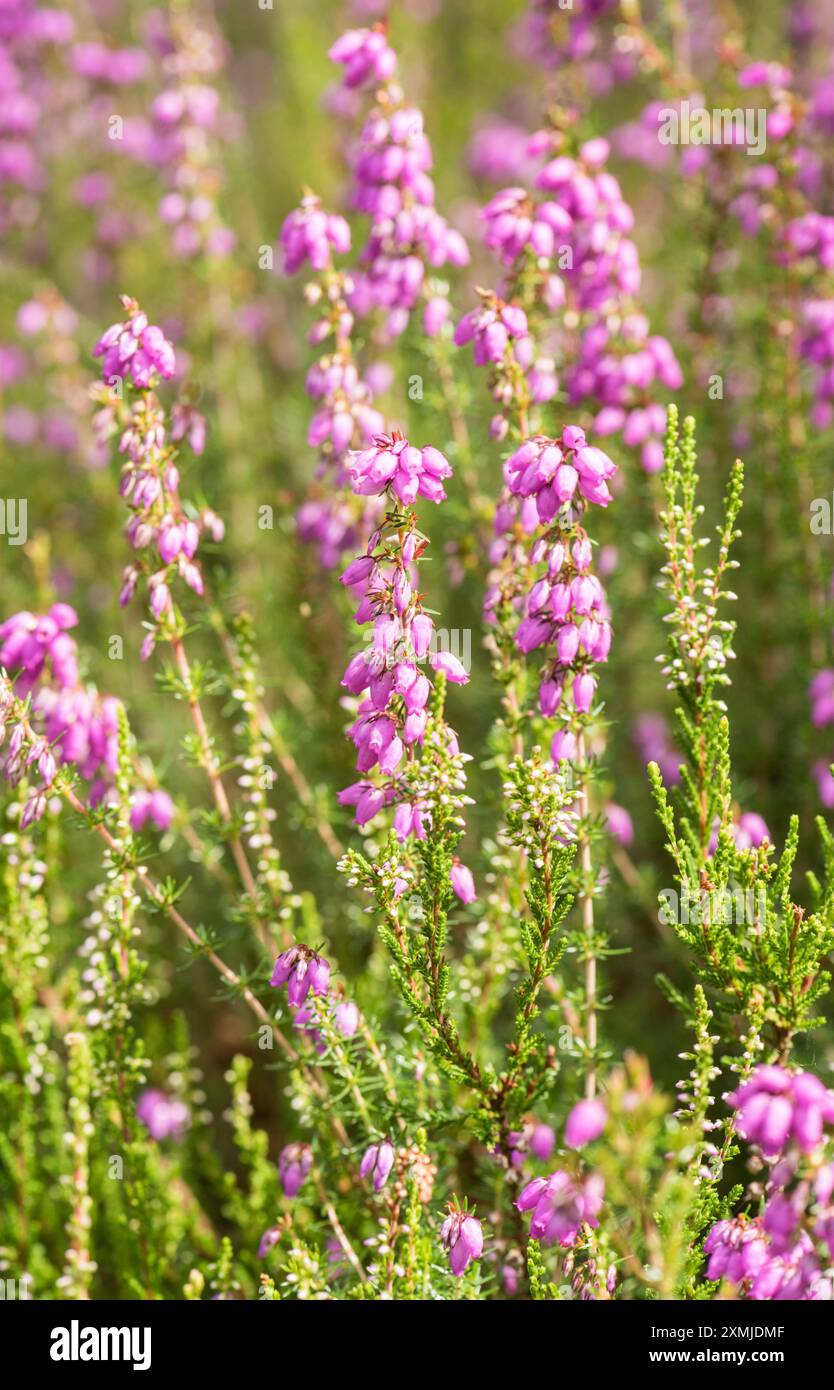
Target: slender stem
194, 842
463, 442
189, 834
384, 1069
338, 1228
154, 892
587, 903
221, 800
291, 768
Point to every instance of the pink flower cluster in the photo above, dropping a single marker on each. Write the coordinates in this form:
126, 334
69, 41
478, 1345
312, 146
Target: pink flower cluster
377, 1162
821, 693
393, 716
47, 325
306, 975
554, 34
186, 122
807, 239
365, 55
495, 330
655, 745
155, 806
785, 1252
393, 187
777, 1107
537, 1139
566, 606
585, 262
463, 1237
748, 830
294, 1163
816, 346
514, 222
309, 234
498, 150
344, 413
22, 758
329, 524
164, 535
135, 350
586, 1122
392, 720
406, 238
560, 1205
303, 972
740, 1252
618, 368
554, 473
163, 1116
779, 197
31, 642
79, 727
391, 462
28, 30
119, 66
342, 1014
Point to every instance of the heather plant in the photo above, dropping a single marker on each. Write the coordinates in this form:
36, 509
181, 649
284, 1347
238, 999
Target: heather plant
389, 906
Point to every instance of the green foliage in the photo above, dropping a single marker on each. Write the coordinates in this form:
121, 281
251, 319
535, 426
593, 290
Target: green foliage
761, 953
